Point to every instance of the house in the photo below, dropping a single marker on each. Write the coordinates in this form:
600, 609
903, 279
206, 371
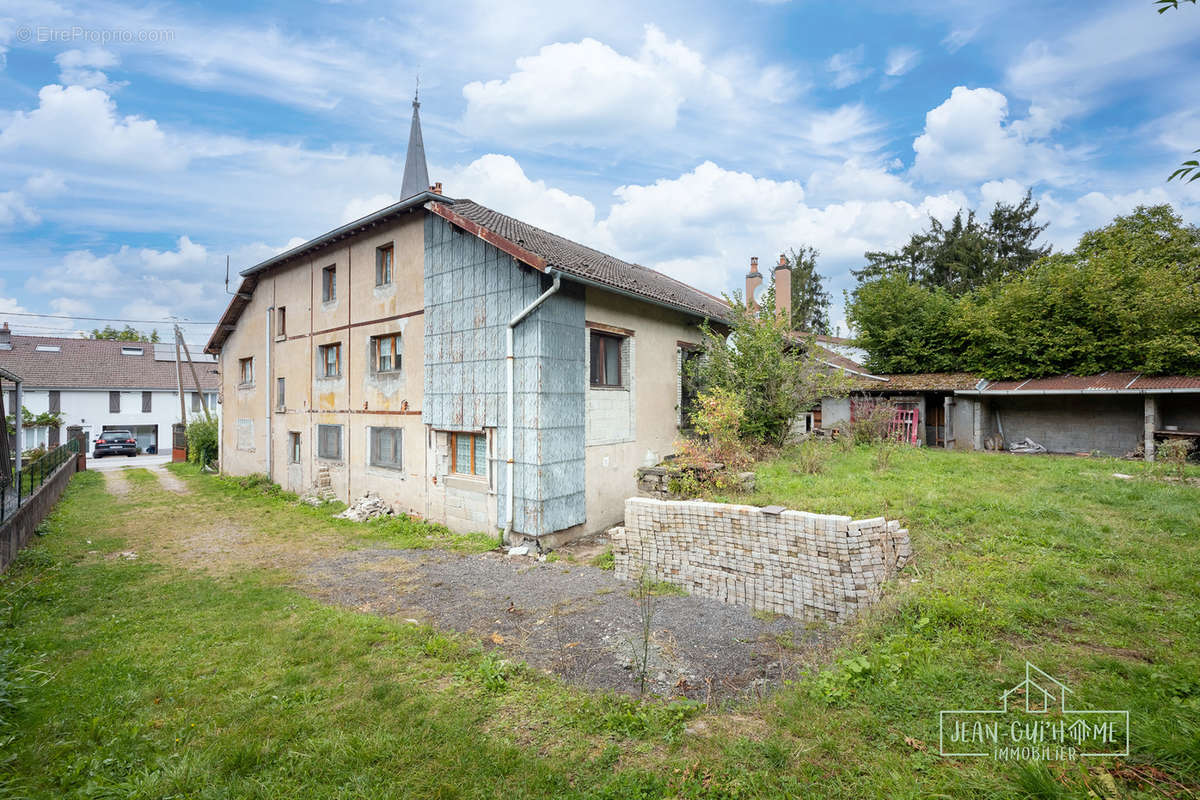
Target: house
101, 384
468, 367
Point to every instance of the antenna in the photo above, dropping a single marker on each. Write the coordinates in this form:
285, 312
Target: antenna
227, 275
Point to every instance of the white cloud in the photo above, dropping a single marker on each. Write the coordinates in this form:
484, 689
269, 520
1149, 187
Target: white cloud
14, 210
847, 67
854, 180
846, 128
970, 138
586, 90
83, 68
1005, 191
958, 38
901, 60
82, 124
189, 256
46, 183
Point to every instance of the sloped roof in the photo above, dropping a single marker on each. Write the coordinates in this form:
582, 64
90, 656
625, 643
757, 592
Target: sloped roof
580, 261
98, 364
1104, 383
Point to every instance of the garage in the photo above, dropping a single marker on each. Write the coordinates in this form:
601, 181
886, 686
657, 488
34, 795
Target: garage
145, 435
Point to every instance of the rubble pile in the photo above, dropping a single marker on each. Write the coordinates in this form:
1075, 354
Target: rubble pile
369, 506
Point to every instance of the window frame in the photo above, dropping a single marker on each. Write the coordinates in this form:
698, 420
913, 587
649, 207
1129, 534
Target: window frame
454, 465
385, 264
341, 448
329, 283
374, 434
281, 322
114, 402
396, 354
280, 394
195, 402
323, 351
246, 371
618, 341
294, 447
147, 402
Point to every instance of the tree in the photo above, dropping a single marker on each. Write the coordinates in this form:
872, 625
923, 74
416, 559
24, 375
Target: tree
965, 254
775, 376
810, 301
126, 334
1126, 298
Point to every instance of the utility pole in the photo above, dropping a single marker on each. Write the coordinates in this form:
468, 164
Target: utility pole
192, 367
179, 379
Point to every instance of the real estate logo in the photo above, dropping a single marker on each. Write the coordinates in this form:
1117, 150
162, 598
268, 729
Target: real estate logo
1033, 723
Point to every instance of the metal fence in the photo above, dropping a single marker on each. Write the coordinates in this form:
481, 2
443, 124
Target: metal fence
27, 480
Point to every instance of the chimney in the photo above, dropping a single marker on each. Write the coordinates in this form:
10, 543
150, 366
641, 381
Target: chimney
783, 289
436, 188
753, 281
5, 337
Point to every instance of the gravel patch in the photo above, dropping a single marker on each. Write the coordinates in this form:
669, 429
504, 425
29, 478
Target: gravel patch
575, 621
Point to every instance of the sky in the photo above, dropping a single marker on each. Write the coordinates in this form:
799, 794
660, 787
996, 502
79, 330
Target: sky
141, 145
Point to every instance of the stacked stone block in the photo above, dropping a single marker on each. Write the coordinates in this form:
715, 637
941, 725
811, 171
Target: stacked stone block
811, 566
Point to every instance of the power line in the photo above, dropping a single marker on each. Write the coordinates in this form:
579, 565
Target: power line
101, 319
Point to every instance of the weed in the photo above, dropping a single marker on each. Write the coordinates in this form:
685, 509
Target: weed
605, 560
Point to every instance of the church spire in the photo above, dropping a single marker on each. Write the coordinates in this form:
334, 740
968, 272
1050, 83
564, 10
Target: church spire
416, 173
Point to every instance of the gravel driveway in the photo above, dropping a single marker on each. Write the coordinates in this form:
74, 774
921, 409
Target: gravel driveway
578, 622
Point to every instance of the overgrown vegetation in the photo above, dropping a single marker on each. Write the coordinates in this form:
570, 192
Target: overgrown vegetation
203, 441
1126, 298
136, 678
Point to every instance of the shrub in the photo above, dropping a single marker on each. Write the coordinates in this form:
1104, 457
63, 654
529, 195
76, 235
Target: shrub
202, 441
1174, 454
713, 461
870, 423
811, 456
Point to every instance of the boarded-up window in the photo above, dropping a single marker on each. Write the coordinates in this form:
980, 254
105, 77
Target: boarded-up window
55, 402
114, 402
245, 434
387, 447
468, 453
329, 441
147, 402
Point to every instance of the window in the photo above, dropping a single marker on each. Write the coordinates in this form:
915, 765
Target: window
293, 447
383, 264
280, 401
468, 453
281, 322
246, 370
606, 359
55, 402
329, 441
147, 402
329, 283
114, 402
386, 351
386, 447
195, 401
132, 351
329, 357
48, 348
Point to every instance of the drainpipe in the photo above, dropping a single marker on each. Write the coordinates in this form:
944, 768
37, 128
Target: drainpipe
267, 390
513, 323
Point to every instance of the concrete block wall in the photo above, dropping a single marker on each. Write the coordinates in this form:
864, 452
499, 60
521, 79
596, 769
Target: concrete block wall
812, 566
1113, 425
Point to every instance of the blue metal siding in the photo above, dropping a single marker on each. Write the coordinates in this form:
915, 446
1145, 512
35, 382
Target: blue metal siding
472, 290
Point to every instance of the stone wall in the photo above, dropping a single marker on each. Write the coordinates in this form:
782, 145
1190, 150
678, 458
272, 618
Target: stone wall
20, 525
811, 566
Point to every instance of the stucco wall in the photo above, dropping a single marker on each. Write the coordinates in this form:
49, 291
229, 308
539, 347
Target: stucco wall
638, 425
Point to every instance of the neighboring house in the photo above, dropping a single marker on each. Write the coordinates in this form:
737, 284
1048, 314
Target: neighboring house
101, 384
375, 358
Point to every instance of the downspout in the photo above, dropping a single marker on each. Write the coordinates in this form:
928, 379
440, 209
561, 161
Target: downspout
513, 323
268, 388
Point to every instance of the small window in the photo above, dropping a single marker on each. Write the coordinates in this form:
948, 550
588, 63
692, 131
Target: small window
329, 441
246, 371
383, 264
293, 447
386, 352
329, 358
468, 453
147, 402
195, 401
606, 359
386, 447
114, 402
55, 402
49, 348
329, 283
132, 351
281, 322
280, 398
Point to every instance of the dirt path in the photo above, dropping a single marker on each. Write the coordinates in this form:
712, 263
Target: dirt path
116, 482
170, 481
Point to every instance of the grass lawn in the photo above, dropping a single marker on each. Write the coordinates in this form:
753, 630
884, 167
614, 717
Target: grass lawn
169, 675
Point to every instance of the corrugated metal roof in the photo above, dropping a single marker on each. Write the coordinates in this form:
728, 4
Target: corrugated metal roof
1103, 383
96, 364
